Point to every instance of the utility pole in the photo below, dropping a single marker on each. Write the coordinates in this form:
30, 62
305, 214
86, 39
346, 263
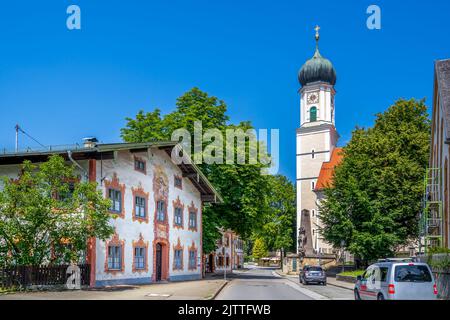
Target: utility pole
17, 138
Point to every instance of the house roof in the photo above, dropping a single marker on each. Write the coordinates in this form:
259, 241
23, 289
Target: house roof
442, 71
327, 170
107, 151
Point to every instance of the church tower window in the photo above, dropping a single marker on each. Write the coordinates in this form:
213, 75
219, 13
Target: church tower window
313, 114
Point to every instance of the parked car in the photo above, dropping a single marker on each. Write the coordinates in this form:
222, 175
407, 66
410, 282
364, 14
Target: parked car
396, 279
312, 274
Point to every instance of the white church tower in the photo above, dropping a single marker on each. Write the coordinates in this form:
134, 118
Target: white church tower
316, 140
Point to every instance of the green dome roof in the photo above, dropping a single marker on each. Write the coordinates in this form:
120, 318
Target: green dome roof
317, 69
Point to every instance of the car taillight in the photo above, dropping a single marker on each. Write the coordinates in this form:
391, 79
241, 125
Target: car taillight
435, 290
391, 289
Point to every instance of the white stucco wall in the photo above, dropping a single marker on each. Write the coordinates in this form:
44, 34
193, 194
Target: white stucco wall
129, 230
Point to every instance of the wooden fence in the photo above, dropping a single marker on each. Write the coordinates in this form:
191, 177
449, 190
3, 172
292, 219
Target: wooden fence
23, 277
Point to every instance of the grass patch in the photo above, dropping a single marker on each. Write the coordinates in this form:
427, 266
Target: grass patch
354, 273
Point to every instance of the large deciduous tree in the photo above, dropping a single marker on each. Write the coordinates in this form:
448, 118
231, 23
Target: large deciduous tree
278, 230
374, 201
242, 186
47, 215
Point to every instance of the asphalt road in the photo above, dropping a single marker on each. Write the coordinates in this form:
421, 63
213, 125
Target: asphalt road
265, 284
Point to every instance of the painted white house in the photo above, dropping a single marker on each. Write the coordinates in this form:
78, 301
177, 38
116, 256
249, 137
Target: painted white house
229, 254
157, 204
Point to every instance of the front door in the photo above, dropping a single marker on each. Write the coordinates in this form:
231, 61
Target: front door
158, 261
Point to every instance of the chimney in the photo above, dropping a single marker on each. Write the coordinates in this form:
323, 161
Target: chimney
90, 142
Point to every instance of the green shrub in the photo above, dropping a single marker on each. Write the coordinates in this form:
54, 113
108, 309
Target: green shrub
354, 273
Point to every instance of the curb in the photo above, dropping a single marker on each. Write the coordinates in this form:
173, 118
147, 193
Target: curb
219, 290
338, 285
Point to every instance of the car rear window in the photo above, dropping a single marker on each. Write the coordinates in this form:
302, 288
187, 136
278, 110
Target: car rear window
412, 273
314, 269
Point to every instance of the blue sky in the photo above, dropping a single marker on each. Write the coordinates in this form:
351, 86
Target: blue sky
62, 85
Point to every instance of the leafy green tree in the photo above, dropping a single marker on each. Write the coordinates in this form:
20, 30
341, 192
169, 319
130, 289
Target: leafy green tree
47, 218
375, 199
242, 186
278, 230
259, 249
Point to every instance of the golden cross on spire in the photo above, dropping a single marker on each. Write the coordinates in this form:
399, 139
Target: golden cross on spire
317, 28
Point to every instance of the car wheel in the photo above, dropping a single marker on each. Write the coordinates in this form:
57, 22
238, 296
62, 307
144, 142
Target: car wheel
324, 283
380, 297
357, 296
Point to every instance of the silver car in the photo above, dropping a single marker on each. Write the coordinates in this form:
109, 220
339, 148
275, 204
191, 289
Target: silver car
312, 274
396, 279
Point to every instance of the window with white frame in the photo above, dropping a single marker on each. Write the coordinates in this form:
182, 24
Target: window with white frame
178, 257
140, 207
178, 216
160, 211
139, 258
114, 257
192, 220
192, 259
116, 200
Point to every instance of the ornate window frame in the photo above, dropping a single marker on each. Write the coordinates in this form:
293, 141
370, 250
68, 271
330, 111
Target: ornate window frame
140, 244
115, 184
140, 192
192, 248
178, 204
192, 209
177, 247
115, 241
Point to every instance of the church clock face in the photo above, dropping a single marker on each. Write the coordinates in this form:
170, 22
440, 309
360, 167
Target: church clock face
312, 97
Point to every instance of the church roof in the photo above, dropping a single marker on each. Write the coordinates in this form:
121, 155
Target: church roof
327, 170
443, 87
317, 69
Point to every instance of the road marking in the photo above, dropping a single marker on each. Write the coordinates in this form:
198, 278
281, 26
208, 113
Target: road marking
296, 286
158, 295
276, 275
306, 292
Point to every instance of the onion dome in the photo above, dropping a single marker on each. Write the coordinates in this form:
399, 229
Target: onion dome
317, 68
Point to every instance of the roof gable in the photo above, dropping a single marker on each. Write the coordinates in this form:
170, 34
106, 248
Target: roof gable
327, 171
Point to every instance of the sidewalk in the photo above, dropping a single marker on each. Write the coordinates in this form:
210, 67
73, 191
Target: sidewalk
188, 290
341, 284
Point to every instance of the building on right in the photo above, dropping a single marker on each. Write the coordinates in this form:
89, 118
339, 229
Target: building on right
435, 216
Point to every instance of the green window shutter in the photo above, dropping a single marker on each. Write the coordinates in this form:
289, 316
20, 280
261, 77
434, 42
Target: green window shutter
313, 114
